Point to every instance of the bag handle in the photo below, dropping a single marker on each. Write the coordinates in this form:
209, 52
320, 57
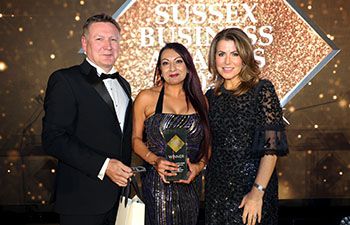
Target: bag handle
136, 187
126, 191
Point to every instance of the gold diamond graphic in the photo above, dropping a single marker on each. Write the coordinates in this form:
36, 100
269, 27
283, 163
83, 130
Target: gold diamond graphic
176, 143
291, 49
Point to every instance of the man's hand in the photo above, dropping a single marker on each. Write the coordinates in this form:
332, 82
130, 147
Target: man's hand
118, 172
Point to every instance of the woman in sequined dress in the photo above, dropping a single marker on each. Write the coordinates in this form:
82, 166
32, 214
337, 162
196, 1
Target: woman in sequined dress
248, 133
177, 102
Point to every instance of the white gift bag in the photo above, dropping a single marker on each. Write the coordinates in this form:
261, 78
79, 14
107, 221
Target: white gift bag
131, 212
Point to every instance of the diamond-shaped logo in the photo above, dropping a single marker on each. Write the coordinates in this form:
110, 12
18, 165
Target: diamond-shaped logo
291, 49
326, 172
175, 143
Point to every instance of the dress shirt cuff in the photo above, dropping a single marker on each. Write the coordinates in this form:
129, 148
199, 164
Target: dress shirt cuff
102, 172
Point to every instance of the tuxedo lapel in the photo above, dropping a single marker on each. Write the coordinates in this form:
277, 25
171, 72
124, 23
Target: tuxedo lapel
92, 78
127, 90
127, 114
124, 85
103, 92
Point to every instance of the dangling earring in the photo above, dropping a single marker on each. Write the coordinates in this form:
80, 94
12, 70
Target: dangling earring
159, 79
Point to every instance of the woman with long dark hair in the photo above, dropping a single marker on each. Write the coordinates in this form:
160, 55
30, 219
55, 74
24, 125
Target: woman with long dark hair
175, 102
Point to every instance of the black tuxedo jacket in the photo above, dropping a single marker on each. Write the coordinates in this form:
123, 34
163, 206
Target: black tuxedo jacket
81, 129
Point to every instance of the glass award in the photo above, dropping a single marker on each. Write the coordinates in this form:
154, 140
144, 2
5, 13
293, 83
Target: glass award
176, 151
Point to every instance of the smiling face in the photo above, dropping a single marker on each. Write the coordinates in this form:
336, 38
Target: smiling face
172, 66
101, 44
228, 62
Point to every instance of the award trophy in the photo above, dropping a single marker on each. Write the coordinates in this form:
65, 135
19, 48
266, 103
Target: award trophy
176, 151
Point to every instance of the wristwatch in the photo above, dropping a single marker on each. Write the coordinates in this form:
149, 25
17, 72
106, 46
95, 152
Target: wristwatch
259, 187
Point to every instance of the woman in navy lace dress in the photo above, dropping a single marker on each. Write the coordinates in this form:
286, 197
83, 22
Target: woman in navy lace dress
246, 122
178, 102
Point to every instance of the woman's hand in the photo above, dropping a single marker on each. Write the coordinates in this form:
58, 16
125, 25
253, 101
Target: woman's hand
194, 170
252, 203
165, 168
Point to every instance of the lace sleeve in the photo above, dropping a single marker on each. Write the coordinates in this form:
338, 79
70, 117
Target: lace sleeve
270, 137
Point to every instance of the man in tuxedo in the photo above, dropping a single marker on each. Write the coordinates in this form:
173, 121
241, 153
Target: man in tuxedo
87, 127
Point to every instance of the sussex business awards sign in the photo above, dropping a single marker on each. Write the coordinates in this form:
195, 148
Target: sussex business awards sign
196, 25
290, 49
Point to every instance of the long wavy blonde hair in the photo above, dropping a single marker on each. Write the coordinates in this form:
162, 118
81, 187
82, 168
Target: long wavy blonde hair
249, 75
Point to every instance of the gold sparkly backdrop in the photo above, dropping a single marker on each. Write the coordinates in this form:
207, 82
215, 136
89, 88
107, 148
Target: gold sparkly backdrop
38, 37
286, 47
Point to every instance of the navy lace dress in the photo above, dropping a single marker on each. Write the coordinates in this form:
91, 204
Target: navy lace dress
174, 203
244, 128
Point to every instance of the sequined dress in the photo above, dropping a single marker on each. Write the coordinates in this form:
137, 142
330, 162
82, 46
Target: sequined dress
174, 203
244, 128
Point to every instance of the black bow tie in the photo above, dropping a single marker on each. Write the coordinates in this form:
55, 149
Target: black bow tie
111, 76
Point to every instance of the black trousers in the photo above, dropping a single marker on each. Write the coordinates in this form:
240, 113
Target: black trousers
107, 218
